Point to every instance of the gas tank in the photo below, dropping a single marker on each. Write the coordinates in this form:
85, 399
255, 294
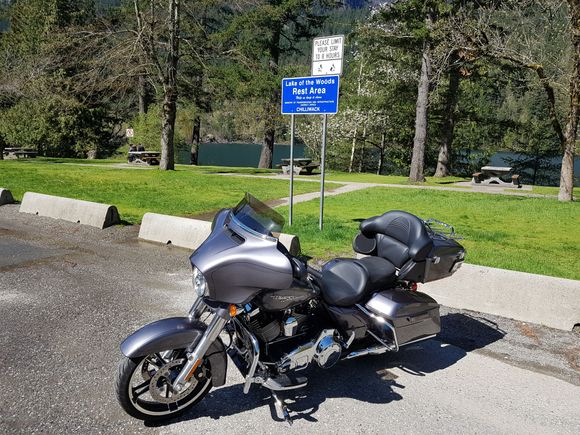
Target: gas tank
280, 300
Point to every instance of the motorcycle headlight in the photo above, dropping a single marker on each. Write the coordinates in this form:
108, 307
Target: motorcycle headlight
199, 283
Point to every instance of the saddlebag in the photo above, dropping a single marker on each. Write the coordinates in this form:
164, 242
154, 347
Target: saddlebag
413, 315
444, 258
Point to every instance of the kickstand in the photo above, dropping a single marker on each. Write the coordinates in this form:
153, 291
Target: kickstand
281, 408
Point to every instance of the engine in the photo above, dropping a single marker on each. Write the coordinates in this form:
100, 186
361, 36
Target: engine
292, 339
325, 350
269, 326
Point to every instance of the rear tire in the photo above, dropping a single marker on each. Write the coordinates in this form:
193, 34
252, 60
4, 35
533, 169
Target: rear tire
138, 405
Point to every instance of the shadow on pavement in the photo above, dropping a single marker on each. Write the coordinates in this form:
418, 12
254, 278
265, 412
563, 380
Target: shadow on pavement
368, 379
469, 332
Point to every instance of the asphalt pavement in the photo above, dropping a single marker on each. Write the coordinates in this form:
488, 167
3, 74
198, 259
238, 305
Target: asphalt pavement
69, 294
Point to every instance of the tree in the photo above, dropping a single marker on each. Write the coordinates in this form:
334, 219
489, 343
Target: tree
444, 157
258, 38
44, 104
570, 134
503, 33
418, 159
411, 24
160, 47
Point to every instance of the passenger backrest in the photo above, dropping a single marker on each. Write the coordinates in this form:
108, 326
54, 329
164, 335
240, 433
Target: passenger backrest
397, 236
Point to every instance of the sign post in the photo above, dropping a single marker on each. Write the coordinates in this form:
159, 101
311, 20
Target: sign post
322, 166
315, 95
327, 58
291, 169
308, 96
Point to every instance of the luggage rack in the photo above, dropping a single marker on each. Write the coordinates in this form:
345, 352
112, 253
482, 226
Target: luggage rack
441, 230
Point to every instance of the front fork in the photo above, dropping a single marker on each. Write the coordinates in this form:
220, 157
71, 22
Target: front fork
221, 317
197, 309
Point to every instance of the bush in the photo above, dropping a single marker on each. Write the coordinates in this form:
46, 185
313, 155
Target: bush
57, 127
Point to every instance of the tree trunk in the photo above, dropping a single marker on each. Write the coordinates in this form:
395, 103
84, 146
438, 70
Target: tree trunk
143, 95
443, 161
1, 148
362, 149
352, 150
195, 138
358, 92
168, 114
381, 154
567, 174
418, 160
272, 106
169, 109
267, 148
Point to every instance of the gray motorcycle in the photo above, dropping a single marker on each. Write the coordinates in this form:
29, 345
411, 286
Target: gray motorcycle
278, 315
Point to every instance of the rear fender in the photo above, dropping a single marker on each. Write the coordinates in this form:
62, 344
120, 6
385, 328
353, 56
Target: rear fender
176, 333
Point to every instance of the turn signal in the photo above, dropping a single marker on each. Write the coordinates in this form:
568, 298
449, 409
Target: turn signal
233, 310
413, 287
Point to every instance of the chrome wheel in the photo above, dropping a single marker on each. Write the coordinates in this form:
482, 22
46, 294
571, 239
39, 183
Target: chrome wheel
144, 385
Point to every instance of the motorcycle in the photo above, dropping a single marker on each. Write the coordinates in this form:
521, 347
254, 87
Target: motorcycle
281, 314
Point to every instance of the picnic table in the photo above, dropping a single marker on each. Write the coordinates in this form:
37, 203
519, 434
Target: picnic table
20, 153
301, 165
496, 175
144, 157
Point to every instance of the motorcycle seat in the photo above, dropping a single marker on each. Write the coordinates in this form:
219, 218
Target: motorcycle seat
397, 236
346, 281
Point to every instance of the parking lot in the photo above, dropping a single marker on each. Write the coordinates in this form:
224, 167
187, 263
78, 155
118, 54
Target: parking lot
69, 294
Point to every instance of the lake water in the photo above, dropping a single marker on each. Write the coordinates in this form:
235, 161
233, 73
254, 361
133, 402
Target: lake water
237, 154
248, 155
547, 174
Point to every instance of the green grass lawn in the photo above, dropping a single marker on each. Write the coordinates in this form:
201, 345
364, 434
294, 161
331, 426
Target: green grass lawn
137, 191
74, 161
536, 235
230, 170
542, 190
390, 179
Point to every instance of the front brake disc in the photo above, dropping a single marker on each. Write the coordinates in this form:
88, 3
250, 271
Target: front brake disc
160, 386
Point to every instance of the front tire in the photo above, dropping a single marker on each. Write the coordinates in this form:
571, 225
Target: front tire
143, 385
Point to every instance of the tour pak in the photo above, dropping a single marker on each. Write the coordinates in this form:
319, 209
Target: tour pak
274, 315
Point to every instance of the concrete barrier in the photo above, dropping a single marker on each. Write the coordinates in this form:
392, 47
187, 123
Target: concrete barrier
179, 231
554, 302
5, 196
190, 233
291, 242
72, 210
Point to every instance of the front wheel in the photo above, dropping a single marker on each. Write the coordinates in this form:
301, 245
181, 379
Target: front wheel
144, 390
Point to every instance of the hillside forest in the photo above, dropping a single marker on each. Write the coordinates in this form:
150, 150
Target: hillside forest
430, 87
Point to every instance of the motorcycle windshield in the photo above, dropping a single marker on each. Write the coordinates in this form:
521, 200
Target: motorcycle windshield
257, 216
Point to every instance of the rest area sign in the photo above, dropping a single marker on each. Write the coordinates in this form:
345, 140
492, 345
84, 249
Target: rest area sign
310, 95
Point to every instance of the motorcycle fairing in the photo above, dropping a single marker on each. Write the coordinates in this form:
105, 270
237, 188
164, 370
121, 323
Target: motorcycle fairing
237, 263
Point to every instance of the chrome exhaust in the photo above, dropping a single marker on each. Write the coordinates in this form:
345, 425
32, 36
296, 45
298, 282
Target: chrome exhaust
377, 350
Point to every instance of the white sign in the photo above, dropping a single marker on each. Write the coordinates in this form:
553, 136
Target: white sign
327, 54
129, 132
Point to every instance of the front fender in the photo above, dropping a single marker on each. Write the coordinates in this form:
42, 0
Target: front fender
176, 333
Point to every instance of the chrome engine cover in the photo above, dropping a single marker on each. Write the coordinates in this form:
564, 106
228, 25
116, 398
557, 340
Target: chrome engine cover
325, 350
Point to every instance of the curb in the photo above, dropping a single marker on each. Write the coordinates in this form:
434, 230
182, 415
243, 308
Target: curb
5, 196
72, 210
549, 301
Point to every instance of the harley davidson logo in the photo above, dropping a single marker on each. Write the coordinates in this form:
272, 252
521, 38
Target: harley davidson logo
283, 298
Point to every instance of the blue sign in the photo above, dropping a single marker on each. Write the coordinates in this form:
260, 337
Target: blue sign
310, 95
